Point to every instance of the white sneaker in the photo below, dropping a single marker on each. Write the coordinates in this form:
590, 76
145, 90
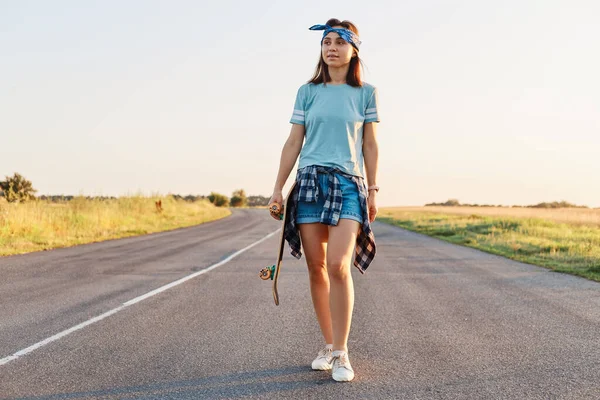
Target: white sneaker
323, 360
342, 370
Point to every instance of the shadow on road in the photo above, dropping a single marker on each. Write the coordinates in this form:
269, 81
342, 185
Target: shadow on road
271, 381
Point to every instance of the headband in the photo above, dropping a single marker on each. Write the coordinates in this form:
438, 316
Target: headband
344, 33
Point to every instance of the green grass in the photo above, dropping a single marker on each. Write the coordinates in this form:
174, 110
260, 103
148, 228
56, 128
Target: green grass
43, 225
562, 247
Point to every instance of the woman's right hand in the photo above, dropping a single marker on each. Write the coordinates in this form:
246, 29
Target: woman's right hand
277, 197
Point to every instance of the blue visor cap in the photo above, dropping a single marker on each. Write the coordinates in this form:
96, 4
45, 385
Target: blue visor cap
344, 33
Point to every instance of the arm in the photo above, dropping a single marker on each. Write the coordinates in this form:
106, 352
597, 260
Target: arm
371, 155
289, 155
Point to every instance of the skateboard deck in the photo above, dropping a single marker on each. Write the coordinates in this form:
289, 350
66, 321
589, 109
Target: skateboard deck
272, 272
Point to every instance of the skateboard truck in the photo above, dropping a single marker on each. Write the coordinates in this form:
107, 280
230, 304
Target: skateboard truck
267, 273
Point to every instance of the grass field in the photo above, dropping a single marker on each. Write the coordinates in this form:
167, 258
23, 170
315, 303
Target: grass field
564, 240
41, 225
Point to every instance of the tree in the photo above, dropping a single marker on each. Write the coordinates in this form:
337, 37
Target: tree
452, 203
17, 188
238, 198
254, 201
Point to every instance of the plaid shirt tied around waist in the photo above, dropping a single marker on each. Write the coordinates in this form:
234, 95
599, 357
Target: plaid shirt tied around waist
307, 189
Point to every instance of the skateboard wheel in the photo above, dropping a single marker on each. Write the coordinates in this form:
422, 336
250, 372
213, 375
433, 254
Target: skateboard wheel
275, 209
265, 274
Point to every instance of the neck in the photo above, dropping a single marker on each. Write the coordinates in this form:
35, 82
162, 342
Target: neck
338, 74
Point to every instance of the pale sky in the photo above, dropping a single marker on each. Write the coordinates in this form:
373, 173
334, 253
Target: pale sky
489, 102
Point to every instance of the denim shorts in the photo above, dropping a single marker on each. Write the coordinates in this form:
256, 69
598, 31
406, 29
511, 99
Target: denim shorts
311, 212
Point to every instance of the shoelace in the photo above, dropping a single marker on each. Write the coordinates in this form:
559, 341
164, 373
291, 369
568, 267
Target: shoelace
342, 361
324, 353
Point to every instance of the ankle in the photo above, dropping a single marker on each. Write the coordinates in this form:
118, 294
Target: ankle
340, 347
339, 352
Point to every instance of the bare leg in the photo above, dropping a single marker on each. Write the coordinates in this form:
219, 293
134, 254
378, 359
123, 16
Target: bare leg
314, 241
340, 251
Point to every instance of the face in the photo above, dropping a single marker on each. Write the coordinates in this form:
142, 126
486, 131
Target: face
336, 51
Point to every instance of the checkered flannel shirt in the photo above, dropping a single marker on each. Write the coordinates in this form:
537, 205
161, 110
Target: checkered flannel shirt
307, 189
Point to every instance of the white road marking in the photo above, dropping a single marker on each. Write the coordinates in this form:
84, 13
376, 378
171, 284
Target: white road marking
51, 339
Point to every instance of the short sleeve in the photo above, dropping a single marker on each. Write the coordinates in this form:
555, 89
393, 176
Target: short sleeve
372, 111
299, 107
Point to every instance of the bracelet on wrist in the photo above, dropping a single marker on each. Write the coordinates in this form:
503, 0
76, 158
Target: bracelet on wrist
373, 187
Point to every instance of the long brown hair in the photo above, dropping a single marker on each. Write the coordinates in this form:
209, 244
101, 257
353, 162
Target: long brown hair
353, 78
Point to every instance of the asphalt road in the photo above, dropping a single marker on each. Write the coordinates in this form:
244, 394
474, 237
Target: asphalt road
432, 321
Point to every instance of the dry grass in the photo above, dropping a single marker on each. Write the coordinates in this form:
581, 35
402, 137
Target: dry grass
565, 240
42, 225
571, 216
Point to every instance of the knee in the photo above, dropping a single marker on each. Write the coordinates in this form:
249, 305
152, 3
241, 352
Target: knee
317, 271
338, 271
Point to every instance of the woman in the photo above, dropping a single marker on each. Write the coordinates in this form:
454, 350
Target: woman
330, 207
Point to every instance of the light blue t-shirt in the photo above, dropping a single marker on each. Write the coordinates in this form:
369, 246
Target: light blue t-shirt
333, 117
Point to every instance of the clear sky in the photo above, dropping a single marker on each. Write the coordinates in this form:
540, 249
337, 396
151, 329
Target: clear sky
489, 102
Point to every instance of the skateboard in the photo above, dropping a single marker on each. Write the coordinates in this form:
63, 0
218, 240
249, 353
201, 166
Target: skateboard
272, 272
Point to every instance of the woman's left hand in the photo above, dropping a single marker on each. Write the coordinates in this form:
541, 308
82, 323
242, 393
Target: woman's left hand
372, 206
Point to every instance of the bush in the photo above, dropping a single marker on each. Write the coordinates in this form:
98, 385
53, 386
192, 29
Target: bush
17, 188
557, 204
449, 203
219, 200
239, 199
